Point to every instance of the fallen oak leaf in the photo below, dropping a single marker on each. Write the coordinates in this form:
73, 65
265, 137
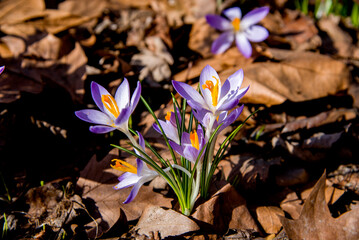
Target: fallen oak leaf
316, 222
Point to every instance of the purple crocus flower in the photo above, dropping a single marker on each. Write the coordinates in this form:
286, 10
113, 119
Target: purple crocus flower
223, 118
115, 112
133, 176
169, 126
191, 144
215, 97
238, 29
2, 69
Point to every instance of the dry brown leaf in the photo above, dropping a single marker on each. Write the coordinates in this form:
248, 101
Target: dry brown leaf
267, 216
320, 119
341, 40
16, 11
293, 28
316, 222
97, 180
166, 222
153, 61
346, 177
231, 58
44, 60
225, 209
300, 76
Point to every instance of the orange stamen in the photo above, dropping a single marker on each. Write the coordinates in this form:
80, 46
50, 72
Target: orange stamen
193, 136
214, 90
111, 105
124, 166
168, 116
236, 24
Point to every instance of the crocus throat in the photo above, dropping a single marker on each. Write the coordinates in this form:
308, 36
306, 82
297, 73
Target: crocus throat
193, 136
236, 24
124, 166
213, 89
110, 104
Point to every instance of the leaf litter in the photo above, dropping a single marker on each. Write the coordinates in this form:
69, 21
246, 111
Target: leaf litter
303, 79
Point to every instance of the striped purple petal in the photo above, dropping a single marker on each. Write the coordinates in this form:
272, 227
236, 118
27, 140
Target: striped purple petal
218, 22
254, 17
222, 43
243, 45
194, 99
122, 95
93, 116
99, 129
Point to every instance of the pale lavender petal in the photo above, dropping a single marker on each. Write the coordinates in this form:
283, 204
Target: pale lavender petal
134, 191
127, 179
186, 140
99, 129
232, 13
136, 96
256, 33
2, 69
190, 153
228, 105
243, 45
194, 99
93, 116
254, 17
218, 22
122, 95
123, 117
231, 118
208, 74
97, 91
232, 83
176, 147
222, 43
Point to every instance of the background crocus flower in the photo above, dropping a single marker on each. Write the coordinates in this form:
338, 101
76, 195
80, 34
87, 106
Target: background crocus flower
238, 29
191, 144
169, 126
215, 97
2, 69
133, 176
115, 111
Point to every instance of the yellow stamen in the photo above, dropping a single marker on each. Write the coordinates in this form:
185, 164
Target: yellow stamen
168, 116
214, 90
124, 166
236, 24
111, 105
193, 136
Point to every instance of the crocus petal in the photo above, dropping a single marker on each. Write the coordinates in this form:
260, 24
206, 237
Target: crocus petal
2, 69
194, 99
123, 118
209, 74
97, 91
127, 179
228, 105
231, 118
243, 45
256, 33
170, 130
232, 83
254, 17
141, 141
232, 13
94, 116
218, 22
222, 43
176, 147
99, 129
134, 192
122, 95
136, 96
191, 153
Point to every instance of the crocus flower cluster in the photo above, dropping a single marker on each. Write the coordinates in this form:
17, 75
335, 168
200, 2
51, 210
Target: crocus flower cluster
238, 29
214, 107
